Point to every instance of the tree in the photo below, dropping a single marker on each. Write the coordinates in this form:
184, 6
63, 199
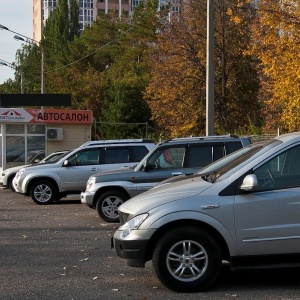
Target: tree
277, 37
176, 93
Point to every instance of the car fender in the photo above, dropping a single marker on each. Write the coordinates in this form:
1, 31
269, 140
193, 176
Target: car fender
228, 234
30, 177
127, 186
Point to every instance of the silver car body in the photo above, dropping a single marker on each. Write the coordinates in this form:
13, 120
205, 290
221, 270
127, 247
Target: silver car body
70, 174
251, 204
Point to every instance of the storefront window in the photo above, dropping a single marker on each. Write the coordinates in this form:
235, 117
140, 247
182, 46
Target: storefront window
23, 143
15, 129
35, 129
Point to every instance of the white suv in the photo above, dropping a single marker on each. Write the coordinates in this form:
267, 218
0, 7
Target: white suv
48, 183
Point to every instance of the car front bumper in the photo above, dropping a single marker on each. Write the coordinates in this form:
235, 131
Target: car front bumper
133, 249
87, 198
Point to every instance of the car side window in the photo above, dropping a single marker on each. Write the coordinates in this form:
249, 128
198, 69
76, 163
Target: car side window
116, 155
200, 156
282, 171
85, 157
137, 153
232, 147
168, 158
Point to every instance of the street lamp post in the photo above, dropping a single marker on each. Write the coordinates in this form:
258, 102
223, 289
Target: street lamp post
25, 39
5, 63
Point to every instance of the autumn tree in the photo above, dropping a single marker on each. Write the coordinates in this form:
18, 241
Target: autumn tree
176, 93
277, 42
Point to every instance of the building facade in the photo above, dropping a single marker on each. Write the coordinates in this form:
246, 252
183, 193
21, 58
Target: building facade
89, 10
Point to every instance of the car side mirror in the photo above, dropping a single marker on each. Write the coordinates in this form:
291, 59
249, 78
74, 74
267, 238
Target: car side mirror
249, 183
146, 166
66, 163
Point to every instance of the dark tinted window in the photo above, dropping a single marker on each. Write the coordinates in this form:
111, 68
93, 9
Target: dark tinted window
116, 155
282, 171
200, 156
232, 146
218, 152
137, 153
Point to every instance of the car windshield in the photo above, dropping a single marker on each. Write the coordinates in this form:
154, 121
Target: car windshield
54, 158
228, 165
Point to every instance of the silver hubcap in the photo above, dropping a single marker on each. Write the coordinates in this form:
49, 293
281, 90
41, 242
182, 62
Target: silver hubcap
42, 193
187, 260
110, 206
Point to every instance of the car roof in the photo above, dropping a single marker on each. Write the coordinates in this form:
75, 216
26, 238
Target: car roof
120, 141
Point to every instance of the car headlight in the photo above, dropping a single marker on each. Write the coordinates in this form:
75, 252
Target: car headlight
19, 173
90, 183
132, 224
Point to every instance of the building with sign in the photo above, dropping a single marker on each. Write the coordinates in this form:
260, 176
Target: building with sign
26, 132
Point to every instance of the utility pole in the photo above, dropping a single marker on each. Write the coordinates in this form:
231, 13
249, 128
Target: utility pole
210, 94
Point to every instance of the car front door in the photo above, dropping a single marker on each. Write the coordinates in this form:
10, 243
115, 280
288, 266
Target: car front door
268, 219
163, 164
81, 165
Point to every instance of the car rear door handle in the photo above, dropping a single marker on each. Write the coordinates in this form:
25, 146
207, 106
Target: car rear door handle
176, 173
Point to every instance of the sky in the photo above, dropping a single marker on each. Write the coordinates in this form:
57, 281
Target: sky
16, 15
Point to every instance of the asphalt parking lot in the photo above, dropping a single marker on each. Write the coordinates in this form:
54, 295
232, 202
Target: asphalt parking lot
62, 251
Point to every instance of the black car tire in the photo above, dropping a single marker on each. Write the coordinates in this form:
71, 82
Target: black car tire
184, 249
10, 183
108, 204
43, 192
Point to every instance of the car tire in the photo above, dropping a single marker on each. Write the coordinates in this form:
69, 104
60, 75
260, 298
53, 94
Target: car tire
108, 204
187, 259
43, 192
10, 183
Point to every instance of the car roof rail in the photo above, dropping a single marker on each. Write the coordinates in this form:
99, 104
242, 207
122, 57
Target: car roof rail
120, 141
204, 137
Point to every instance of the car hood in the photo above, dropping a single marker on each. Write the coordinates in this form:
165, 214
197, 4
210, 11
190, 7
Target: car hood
116, 174
163, 194
177, 178
15, 169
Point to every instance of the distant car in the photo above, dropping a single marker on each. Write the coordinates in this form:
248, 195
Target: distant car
9, 174
106, 191
33, 157
242, 210
45, 184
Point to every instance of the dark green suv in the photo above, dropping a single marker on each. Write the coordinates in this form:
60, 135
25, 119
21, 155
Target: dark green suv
106, 191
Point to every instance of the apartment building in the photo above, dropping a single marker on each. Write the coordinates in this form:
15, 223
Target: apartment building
89, 10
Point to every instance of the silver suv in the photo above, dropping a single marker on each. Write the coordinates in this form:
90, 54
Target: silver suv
8, 175
106, 191
48, 183
245, 212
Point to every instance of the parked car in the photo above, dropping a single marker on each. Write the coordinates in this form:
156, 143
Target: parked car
106, 191
245, 213
9, 174
48, 183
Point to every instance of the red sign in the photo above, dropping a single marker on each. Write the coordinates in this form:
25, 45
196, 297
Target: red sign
22, 115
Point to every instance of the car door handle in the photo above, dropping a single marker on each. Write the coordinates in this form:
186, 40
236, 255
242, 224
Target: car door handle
94, 169
176, 173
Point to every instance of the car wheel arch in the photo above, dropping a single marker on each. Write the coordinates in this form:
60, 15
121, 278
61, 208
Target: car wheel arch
36, 179
109, 188
213, 232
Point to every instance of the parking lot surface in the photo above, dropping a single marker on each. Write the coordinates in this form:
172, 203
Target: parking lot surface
62, 251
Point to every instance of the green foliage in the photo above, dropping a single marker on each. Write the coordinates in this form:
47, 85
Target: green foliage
150, 70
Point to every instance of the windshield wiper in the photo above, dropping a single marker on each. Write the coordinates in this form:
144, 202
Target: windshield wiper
210, 177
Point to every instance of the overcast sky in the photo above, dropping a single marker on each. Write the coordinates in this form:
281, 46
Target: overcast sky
17, 16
